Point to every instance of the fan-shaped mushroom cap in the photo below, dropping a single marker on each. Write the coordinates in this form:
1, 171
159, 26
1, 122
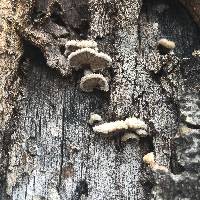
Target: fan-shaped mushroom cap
74, 45
110, 127
135, 123
89, 57
167, 43
94, 81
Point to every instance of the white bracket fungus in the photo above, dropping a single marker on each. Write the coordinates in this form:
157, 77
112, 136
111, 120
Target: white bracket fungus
133, 124
93, 81
88, 57
165, 46
149, 159
111, 127
196, 53
74, 45
166, 43
89, 60
94, 118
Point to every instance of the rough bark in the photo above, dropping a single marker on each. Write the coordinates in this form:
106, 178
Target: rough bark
48, 149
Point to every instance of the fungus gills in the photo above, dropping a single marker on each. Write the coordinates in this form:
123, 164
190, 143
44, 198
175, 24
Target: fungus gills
129, 136
89, 57
94, 81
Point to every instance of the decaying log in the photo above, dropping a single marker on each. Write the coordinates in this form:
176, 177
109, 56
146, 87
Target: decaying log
48, 150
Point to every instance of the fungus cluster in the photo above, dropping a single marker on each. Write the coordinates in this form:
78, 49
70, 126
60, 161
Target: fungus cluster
133, 128
84, 55
149, 159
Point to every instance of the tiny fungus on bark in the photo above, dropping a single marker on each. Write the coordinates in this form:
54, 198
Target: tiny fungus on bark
133, 124
94, 118
149, 159
89, 58
165, 45
196, 53
74, 45
111, 127
92, 81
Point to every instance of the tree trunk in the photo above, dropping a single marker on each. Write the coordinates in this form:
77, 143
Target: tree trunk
48, 150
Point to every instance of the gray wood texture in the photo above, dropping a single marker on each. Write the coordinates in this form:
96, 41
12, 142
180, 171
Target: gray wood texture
48, 148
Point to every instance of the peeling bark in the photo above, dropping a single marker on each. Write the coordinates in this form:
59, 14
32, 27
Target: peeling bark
48, 148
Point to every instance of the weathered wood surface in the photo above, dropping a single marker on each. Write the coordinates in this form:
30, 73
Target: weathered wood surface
52, 117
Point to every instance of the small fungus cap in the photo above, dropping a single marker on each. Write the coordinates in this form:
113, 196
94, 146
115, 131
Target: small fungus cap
74, 45
149, 158
135, 123
94, 81
89, 57
94, 118
167, 43
110, 127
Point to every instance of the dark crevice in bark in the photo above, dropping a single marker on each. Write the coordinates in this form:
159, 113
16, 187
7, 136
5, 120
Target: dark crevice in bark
62, 49
3, 195
56, 14
139, 33
81, 189
175, 167
148, 143
148, 186
32, 54
84, 23
192, 126
62, 148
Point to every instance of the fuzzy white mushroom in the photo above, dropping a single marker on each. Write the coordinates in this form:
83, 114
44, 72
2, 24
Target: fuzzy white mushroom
141, 132
110, 127
135, 123
150, 160
160, 168
94, 118
129, 136
88, 57
91, 81
196, 53
74, 45
166, 43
